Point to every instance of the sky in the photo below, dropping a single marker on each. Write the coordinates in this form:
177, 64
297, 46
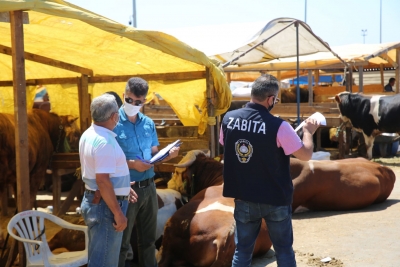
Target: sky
337, 22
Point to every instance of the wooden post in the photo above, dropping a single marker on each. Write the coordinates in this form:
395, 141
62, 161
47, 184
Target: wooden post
382, 77
310, 88
316, 77
84, 103
360, 79
397, 90
56, 180
228, 77
350, 79
348, 141
4, 201
21, 118
278, 76
341, 144
75, 190
211, 109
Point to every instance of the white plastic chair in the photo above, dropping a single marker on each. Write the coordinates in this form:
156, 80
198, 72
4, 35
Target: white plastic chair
31, 230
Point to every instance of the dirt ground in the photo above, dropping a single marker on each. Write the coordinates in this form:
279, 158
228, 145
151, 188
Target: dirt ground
363, 238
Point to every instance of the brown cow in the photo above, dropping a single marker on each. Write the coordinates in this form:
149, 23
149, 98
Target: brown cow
46, 134
345, 184
290, 95
1, 237
201, 233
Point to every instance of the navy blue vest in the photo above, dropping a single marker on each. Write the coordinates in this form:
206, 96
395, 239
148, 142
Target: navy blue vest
255, 169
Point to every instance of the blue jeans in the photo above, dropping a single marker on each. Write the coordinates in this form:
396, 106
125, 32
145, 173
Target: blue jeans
248, 216
104, 241
144, 213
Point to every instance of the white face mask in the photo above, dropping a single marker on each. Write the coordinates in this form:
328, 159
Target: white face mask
131, 110
116, 122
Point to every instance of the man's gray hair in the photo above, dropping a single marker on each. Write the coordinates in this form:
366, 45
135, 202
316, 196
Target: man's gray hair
102, 107
265, 86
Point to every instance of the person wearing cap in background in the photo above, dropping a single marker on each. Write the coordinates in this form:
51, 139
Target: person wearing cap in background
107, 184
257, 149
42, 100
137, 136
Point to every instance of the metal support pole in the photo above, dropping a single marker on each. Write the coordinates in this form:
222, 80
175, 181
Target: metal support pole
134, 14
298, 73
380, 24
310, 88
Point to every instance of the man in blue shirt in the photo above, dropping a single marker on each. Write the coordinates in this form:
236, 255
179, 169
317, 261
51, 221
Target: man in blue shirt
137, 136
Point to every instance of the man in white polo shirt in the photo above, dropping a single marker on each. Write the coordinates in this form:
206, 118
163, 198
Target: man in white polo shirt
107, 183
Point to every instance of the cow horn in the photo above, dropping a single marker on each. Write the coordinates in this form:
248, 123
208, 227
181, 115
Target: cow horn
188, 159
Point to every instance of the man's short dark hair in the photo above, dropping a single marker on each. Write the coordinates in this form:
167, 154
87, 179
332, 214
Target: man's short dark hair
392, 80
137, 86
265, 86
117, 98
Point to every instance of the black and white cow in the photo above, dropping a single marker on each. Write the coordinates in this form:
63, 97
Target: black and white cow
371, 115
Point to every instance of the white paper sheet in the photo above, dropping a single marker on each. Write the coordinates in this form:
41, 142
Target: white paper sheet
316, 116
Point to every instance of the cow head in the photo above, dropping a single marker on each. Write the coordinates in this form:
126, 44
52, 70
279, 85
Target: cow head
180, 180
341, 100
72, 132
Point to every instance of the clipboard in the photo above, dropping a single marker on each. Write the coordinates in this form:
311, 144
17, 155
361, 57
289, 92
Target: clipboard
163, 153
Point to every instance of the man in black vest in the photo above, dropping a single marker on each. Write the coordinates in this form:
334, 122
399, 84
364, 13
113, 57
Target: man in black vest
257, 149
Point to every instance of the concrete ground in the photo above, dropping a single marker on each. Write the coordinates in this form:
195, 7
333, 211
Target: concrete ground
363, 238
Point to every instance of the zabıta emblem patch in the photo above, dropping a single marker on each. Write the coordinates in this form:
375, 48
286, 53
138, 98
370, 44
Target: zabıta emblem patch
244, 150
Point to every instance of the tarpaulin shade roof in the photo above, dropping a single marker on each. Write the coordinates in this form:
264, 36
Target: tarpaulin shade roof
74, 41
368, 55
276, 40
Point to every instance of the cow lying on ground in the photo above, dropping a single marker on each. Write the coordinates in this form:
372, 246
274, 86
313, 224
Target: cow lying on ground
168, 202
201, 233
371, 115
345, 184
46, 135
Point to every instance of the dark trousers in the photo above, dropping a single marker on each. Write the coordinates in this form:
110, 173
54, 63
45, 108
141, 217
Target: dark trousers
144, 212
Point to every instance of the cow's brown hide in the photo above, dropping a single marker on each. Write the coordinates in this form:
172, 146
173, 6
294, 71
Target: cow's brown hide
201, 233
46, 134
341, 184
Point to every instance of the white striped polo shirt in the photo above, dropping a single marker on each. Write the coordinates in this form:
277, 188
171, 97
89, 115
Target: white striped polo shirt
99, 152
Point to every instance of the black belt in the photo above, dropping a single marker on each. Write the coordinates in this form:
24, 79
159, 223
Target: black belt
87, 191
144, 183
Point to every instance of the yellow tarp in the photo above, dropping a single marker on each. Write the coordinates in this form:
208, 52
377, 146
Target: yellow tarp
67, 33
